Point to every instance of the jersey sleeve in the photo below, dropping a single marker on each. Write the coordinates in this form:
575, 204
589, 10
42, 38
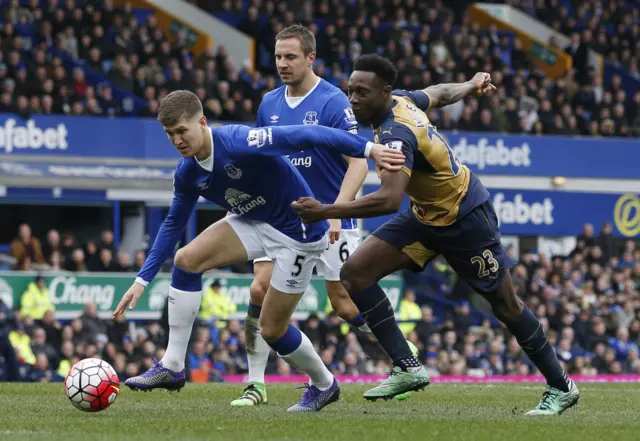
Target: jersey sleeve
282, 140
260, 120
338, 114
182, 206
401, 138
419, 97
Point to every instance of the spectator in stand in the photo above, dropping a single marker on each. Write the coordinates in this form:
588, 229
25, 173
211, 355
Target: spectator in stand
215, 304
409, 310
35, 301
26, 248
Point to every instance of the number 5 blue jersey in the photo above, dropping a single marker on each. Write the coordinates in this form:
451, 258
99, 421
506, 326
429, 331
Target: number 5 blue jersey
441, 189
324, 105
251, 178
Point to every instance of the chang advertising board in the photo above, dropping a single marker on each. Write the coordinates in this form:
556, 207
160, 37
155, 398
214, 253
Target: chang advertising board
553, 213
70, 293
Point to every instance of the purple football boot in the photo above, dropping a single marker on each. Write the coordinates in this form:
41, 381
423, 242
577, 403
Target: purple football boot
158, 377
315, 399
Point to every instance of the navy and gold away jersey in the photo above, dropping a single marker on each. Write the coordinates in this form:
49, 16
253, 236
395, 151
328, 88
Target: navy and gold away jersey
441, 189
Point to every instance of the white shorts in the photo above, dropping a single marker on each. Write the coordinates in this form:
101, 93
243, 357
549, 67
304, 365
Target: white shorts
334, 255
293, 262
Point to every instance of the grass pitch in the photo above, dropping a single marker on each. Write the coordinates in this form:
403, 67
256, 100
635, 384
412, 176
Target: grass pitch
442, 412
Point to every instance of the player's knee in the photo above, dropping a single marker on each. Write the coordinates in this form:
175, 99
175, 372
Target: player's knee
271, 330
185, 260
507, 308
353, 279
257, 291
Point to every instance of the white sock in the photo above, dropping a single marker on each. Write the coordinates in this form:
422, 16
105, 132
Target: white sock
257, 350
306, 359
183, 310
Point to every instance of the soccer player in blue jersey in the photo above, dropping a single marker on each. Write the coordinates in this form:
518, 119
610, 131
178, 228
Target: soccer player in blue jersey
306, 99
241, 169
450, 214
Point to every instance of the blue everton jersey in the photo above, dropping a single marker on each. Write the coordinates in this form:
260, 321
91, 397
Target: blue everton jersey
251, 178
324, 105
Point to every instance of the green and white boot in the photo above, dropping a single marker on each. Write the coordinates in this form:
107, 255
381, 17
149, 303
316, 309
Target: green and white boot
254, 394
415, 353
554, 401
398, 383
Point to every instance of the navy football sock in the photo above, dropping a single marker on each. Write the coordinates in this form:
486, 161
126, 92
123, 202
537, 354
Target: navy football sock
527, 329
254, 310
377, 311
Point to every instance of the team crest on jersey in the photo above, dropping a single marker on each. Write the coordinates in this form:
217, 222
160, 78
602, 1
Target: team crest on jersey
232, 171
350, 118
311, 117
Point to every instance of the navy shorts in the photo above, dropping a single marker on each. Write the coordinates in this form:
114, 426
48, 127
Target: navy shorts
471, 245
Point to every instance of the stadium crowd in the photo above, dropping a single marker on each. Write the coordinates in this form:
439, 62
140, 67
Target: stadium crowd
429, 41
62, 252
587, 301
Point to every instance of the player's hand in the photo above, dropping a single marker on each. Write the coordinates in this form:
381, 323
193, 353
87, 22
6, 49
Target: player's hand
386, 158
309, 210
482, 84
335, 225
130, 298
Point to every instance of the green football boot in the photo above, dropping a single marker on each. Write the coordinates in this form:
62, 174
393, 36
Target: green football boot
254, 394
554, 401
415, 353
398, 383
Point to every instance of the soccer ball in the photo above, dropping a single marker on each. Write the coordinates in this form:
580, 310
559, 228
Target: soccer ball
92, 385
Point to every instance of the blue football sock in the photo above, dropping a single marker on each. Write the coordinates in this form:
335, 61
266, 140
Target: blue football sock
357, 321
288, 343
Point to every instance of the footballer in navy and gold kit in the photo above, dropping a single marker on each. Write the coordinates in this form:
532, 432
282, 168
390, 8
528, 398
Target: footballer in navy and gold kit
450, 211
450, 214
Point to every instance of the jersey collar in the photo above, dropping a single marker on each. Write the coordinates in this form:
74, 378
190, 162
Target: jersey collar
296, 104
209, 161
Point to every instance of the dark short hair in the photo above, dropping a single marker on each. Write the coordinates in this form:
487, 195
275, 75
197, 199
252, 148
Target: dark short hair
306, 37
178, 105
382, 67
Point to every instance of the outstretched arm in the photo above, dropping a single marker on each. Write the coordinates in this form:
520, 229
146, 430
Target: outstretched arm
448, 93
283, 140
442, 95
278, 141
